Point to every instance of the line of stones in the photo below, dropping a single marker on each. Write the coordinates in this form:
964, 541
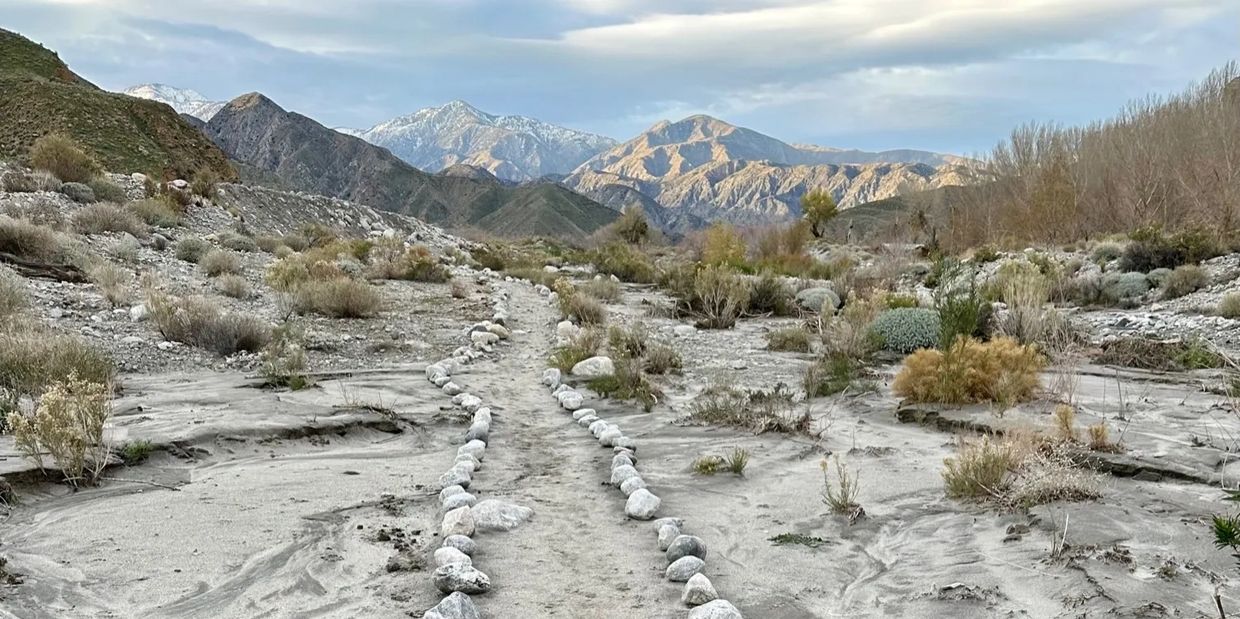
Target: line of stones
685, 554
455, 573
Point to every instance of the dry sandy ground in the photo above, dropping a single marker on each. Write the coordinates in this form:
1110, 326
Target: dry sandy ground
284, 499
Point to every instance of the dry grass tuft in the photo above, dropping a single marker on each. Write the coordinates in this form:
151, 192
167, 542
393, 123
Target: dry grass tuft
1001, 370
107, 217
338, 297
198, 321
220, 262
790, 339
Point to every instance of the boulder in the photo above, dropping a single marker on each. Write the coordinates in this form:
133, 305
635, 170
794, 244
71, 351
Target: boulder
667, 532
683, 330
471, 403
698, 591
551, 377
608, 437
78, 192
456, 476
642, 505
452, 389
717, 609
594, 367
474, 448
631, 485
458, 522
463, 578
582, 412
485, 338
496, 515
462, 543
622, 473
463, 499
571, 400
684, 568
447, 555
686, 546
818, 299
456, 606
500, 331
566, 330
587, 420
478, 431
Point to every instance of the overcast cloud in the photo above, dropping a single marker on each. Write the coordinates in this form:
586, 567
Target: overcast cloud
947, 75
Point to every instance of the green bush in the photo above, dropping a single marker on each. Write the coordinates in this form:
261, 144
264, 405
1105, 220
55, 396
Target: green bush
661, 359
582, 346
770, 295
962, 307
1151, 249
628, 382
905, 330
833, 374
1184, 280
107, 191
1107, 252
13, 297
78, 192
233, 286
64, 158
626, 262
719, 297
1158, 276
603, 289
192, 249
1122, 287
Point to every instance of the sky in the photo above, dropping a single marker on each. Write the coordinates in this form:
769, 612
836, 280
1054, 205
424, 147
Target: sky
943, 75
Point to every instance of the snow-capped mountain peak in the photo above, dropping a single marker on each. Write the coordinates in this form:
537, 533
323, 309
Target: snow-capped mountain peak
183, 100
511, 147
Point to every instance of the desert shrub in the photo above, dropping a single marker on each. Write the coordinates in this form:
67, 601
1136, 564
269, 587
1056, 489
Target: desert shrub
220, 262
834, 373
1229, 306
125, 249
790, 339
1148, 354
661, 359
204, 183
1123, 287
985, 253
628, 382
236, 241
68, 425
27, 240
268, 243
284, 358
632, 227
533, 275
295, 242
626, 262
112, 281
107, 217
578, 306
133, 453
339, 297
315, 235
1030, 320
707, 465
1065, 422
198, 321
757, 411
32, 360
155, 212
1107, 252
737, 460
1183, 280
770, 295
901, 301
849, 332
39, 210
842, 496
192, 249
1050, 475
233, 286
107, 191
1100, 438
628, 341
415, 263
961, 304
64, 158
1001, 370
980, 469
582, 346
905, 330
78, 192
282, 252
1158, 277
13, 297
603, 289
1151, 249
15, 181
723, 246
719, 297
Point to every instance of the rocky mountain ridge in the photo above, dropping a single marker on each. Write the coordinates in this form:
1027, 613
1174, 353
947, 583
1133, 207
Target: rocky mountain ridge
183, 100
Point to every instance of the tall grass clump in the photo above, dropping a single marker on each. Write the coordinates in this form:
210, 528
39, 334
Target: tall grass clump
1001, 370
338, 297
198, 321
107, 217
585, 344
64, 158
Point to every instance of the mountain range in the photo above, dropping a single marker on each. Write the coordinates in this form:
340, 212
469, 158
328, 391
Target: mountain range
183, 100
39, 95
270, 143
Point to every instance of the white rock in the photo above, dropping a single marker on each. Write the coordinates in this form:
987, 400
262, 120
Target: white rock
683, 330
449, 491
550, 269
447, 555
594, 367
582, 412
473, 448
571, 400
551, 377
462, 543
718, 609
459, 577
682, 569
138, 313
456, 606
499, 331
698, 591
471, 403
452, 388
609, 436
622, 473
631, 485
641, 505
485, 338
668, 532
566, 330
458, 522
456, 476
495, 515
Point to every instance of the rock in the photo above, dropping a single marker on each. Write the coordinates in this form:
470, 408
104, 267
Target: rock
550, 269
621, 460
452, 389
631, 485
667, 533
463, 499
139, 313
456, 476
587, 420
642, 505
553, 298
683, 330
594, 367
718, 609
483, 415
447, 555
609, 436
440, 380
698, 591
560, 389
485, 338
499, 331
571, 400
582, 412
686, 546
462, 543
566, 330
449, 491
436, 369
455, 606
676, 522
818, 299
460, 457
622, 473
597, 427
478, 431
682, 569
624, 442
474, 448
132, 339
463, 578
495, 515
78, 192
551, 377
459, 521
471, 403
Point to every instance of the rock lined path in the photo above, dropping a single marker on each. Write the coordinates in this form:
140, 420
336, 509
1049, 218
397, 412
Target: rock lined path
578, 556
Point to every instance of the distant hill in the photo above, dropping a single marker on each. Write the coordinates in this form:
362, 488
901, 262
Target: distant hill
712, 170
299, 153
39, 95
513, 148
183, 100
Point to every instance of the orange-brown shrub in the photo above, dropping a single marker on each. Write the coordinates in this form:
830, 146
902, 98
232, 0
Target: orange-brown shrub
1001, 370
